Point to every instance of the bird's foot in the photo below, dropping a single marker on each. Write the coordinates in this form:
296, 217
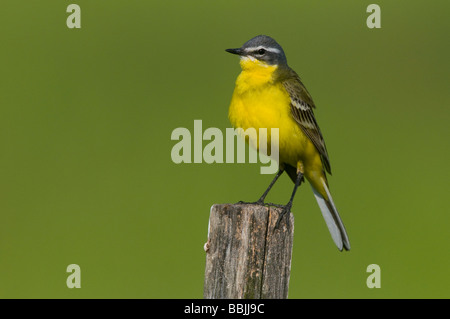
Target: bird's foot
274, 205
284, 212
258, 202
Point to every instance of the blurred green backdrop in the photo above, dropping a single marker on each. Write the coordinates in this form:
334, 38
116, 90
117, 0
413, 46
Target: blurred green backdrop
86, 117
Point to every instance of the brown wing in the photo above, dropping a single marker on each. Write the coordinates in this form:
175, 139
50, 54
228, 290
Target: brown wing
302, 111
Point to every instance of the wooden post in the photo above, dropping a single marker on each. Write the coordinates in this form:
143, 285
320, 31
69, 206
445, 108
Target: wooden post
245, 256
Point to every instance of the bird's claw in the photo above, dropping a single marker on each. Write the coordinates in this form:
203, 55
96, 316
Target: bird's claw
285, 211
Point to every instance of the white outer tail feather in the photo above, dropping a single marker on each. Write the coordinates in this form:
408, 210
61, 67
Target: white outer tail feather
332, 219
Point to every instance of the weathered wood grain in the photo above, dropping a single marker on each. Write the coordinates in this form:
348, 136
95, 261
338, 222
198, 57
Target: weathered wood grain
247, 258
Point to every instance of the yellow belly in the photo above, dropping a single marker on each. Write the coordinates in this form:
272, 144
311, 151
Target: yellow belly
266, 104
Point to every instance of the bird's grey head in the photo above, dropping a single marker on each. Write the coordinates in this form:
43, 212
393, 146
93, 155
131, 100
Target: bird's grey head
262, 48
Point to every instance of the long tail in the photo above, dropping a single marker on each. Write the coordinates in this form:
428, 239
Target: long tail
332, 218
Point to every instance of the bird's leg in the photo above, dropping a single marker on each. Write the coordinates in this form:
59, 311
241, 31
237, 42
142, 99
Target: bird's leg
263, 196
287, 208
260, 201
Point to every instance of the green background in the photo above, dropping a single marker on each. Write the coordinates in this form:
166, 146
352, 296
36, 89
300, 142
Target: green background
86, 117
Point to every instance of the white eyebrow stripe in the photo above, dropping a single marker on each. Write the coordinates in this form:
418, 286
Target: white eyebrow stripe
274, 50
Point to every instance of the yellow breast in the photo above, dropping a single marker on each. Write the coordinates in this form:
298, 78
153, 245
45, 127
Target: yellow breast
260, 101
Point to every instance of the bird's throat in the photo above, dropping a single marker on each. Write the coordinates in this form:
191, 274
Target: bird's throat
255, 74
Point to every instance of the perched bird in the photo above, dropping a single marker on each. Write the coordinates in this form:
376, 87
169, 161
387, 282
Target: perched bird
269, 94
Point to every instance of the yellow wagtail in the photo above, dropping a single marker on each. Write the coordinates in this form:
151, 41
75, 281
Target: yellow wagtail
269, 94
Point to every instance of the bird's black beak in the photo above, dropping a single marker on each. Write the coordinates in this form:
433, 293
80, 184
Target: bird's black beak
235, 51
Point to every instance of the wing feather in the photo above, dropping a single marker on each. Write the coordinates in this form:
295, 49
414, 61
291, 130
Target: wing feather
302, 107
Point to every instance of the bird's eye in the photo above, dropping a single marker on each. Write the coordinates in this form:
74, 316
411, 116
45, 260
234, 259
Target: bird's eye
261, 51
